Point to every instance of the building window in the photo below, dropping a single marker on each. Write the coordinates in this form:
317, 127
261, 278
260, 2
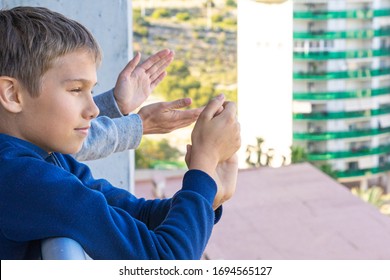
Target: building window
353, 165
310, 87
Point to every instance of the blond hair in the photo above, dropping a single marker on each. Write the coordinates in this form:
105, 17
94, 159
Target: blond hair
31, 38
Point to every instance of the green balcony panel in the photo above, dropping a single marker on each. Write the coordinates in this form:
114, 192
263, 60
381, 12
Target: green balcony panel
329, 135
363, 172
349, 34
320, 116
363, 93
341, 55
382, 12
356, 14
357, 74
318, 156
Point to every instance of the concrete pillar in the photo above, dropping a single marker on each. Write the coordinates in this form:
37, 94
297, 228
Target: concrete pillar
387, 182
364, 183
110, 21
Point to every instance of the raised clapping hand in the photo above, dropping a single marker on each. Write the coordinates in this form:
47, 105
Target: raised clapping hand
136, 82
215, 141
164, 117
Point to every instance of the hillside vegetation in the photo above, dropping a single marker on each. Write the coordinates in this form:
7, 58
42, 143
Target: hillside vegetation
204, 40
203, 37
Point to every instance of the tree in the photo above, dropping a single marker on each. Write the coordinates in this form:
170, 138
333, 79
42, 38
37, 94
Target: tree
375, 196
180, 83
298, 154
328, 169
150, 152
231, 3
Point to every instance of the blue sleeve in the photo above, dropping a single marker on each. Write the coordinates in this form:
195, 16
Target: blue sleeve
47, 201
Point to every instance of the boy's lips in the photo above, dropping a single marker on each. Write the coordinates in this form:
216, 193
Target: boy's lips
83, 130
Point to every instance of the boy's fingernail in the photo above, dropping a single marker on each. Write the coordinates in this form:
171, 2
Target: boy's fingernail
220, 97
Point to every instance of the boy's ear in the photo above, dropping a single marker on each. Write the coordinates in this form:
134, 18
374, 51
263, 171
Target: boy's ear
10, 95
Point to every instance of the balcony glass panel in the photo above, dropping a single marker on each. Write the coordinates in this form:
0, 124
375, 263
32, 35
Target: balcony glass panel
325, 55
356, 74
320, 116
363, 172
340, 94
328, 135
326, 15
359, 152
349, 34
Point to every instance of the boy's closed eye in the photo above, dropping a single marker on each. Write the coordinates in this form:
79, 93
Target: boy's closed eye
76, 90
80, 90
77, 86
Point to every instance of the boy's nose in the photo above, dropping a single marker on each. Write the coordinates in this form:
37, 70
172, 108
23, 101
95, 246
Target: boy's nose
92, 111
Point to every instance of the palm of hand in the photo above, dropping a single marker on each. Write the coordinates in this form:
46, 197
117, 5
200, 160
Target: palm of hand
139, 87
136, 82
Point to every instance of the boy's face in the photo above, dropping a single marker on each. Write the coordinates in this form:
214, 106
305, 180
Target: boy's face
59, 119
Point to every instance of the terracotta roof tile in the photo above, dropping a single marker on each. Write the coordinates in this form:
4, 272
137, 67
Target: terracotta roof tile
294, 212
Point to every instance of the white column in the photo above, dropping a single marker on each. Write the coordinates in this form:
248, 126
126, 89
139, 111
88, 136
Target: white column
264, 75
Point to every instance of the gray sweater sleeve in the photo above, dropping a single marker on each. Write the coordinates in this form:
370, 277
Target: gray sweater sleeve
107, 104
111, 132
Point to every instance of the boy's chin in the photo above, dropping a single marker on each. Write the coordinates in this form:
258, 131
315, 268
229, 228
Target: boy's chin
71, 150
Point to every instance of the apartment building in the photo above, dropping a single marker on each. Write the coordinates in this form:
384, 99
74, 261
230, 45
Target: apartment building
340, 92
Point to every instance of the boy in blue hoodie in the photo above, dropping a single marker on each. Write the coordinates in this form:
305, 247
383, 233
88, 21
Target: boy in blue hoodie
47, 72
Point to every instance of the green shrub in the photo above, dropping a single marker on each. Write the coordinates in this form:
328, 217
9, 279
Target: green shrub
140, 31
216, 18
160, 13
230, 21
231, 3
151, 153
184, 16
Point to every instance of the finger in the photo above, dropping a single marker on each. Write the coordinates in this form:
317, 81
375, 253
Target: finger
156, 60
158, 80
219, 111
179, 103
188, 116
230, 109
158, 68
212, 107
182, 119
188, 155
155, 57
129, 68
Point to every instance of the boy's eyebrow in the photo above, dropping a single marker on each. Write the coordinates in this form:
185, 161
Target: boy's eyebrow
84, 81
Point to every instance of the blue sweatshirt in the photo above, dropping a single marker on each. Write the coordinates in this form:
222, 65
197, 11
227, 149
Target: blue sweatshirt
52, 195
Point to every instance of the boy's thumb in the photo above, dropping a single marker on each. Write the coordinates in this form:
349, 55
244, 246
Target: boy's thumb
213, 107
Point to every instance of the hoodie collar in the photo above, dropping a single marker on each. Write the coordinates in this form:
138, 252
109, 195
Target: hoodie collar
23, 143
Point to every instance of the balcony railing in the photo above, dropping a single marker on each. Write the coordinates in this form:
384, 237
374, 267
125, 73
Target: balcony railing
329, 135
320, 116
326, 55
341, 94
363, 172
356, 74
355, 14
349, 34
360, 152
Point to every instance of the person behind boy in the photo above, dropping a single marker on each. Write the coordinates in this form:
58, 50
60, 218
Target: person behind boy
47, 71
117, 130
